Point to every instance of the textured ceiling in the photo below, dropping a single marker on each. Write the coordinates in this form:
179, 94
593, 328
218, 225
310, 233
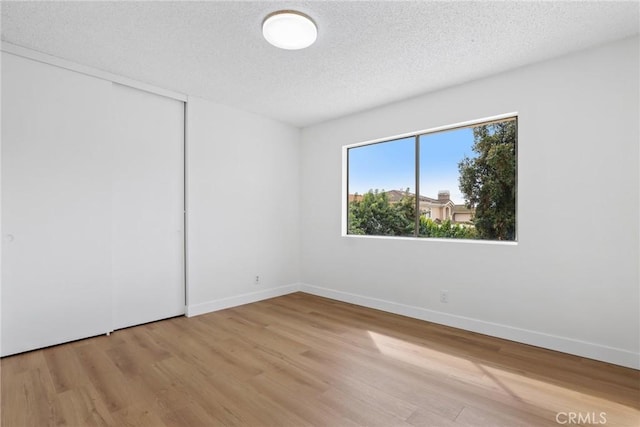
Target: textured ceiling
367, 54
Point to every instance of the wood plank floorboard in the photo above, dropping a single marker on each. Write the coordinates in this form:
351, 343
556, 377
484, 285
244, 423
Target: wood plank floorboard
303, 360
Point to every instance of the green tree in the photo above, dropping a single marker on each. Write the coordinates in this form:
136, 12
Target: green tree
430, 228
488, 181
406, 212
374, 215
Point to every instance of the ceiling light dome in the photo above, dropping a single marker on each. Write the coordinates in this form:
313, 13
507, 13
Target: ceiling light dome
289, 29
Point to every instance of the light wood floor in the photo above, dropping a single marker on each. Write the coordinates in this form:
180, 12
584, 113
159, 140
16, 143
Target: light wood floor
303, 360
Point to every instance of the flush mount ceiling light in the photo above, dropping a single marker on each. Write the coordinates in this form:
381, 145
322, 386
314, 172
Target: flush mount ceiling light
288, 29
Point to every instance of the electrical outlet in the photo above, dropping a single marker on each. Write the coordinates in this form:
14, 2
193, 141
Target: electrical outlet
444, 296
257, 280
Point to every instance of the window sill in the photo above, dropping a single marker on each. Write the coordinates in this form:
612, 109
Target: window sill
433, 239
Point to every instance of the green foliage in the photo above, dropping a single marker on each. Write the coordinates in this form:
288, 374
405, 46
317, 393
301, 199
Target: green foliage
374, 215
488, 181
430, 228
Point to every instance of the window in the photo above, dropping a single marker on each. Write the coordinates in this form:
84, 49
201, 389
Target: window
455, 183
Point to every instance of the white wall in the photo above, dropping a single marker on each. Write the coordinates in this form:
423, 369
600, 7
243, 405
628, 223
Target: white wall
243, 207
571, 282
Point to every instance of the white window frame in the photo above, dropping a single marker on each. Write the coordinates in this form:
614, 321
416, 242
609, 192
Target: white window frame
345, 179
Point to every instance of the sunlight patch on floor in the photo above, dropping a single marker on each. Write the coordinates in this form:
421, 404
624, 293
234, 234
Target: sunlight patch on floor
491, 379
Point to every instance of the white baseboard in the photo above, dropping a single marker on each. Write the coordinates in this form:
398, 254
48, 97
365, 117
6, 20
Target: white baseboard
589, 350
236, 300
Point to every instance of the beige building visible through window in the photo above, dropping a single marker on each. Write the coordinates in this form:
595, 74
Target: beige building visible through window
439, 209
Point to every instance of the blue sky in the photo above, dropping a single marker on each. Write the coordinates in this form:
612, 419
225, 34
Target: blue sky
391, 165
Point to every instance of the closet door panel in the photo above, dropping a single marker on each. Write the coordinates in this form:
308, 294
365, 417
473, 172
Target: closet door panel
148, 207
56, 205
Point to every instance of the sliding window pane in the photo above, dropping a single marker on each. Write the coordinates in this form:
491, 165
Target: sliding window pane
381, 179
467, 182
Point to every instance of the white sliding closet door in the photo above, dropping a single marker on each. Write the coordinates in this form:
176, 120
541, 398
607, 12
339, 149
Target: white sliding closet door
148, 207
56, 205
